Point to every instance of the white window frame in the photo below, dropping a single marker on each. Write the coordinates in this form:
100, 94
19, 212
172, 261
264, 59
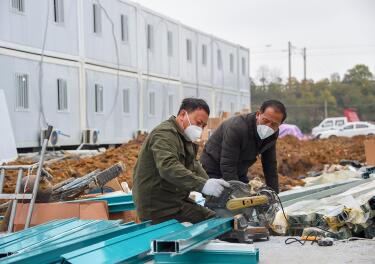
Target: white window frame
204, 55
231, 63
243, 66
328, 123
170, 104
17, 10
339, 123
124, 27
189, 50
62, 95
150, 37
58, 12
126, 101
152, 103
97, 19
348, 127
170, 43
219, 60
22, 97
98, 98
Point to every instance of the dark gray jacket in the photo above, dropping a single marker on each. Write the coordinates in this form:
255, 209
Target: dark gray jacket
234, 147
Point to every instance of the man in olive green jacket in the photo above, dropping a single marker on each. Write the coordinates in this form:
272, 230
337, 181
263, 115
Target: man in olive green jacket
167, 169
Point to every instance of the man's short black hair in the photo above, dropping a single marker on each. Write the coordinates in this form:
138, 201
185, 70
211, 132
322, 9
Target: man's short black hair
275, 104
192, 104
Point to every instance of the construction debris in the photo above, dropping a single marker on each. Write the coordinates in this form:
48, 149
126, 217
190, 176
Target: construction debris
350, 212
74, 187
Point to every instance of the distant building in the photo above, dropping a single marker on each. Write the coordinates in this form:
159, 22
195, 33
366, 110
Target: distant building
113, 82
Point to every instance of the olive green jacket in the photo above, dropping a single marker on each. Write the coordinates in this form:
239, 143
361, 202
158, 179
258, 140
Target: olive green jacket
166, 172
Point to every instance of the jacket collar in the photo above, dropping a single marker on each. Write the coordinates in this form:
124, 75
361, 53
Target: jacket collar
173, 121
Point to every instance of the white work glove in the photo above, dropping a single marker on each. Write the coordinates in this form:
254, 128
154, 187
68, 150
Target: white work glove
214, 187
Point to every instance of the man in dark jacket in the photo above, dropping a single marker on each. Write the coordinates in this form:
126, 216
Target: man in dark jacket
236, 143
167, 169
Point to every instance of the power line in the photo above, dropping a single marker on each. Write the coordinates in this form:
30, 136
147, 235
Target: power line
369, 46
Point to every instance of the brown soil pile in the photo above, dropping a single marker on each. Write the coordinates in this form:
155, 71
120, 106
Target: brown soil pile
75, 167
295, 158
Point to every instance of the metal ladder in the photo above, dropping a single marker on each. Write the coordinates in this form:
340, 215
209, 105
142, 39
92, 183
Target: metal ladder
16, 196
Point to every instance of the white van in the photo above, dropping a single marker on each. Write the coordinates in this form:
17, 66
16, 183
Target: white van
328, 124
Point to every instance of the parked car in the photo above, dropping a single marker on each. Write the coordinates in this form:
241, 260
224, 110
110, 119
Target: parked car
350, 130
328, 124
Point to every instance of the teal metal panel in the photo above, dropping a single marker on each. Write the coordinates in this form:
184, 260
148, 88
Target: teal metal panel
62, 230
118, 203
192, 236
132, 247
209, 257
33, 231
49, 250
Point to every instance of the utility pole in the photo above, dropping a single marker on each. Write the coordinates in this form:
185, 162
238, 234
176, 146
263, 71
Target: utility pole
304, 64
290, 64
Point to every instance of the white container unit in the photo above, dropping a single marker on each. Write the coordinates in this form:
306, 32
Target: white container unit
204, 59
244, 101
99, 39
188, 56
161, 62
158, 45
226, 102
204, 93
111, 109
60, 95
160, 101
196, 57
225, 65
243, 67
23, 26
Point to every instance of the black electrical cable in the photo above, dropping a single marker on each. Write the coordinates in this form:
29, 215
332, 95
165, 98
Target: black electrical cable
292, 240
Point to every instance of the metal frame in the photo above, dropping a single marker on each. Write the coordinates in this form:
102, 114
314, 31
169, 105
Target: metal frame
192, 236
17, 196
214, 253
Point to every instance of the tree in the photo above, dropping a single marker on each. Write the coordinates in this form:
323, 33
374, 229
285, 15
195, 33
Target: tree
335, 77
360, 74
305, 101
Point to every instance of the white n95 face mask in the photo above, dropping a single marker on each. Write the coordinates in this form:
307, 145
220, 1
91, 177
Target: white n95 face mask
193, 132
264, 131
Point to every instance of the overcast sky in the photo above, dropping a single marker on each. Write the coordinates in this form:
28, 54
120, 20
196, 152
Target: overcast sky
336, 33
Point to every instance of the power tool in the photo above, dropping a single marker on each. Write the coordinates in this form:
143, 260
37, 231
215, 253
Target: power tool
253, 211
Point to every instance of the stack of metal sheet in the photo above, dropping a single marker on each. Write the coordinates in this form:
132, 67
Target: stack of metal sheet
46, 243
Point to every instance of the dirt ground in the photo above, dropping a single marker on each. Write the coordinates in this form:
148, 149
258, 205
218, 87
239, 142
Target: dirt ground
295, 158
